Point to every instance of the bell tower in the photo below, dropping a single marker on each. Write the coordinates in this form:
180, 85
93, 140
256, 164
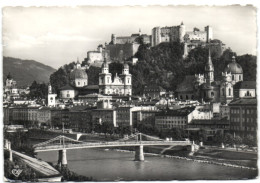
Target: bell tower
51, 97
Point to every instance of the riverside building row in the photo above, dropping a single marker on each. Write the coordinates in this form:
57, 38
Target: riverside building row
241, 118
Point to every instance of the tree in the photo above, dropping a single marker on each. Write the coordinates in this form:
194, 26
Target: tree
218, 137
38, 90
250, 140
228, 138
237, 140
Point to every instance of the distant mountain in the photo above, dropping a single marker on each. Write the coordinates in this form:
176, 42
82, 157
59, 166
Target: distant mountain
24, 72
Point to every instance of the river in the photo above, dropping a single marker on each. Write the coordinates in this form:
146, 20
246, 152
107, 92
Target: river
112, 165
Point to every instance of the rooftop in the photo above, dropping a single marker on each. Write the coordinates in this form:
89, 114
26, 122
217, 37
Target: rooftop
244, 101
208, 122
178, 112
245, 85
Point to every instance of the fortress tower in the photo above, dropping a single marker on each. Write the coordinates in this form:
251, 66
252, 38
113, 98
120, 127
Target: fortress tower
113, 39
209, 32
182, 31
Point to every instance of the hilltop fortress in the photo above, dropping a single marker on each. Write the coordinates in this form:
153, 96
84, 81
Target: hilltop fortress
123, 48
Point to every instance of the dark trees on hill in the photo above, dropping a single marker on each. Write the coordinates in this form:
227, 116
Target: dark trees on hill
157, 63
38, 90
61, 77
93, 74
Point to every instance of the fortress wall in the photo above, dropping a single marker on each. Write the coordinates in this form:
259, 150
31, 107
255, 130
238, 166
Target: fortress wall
120, 51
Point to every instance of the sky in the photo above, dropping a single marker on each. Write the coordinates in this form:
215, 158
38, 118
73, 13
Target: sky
58, 35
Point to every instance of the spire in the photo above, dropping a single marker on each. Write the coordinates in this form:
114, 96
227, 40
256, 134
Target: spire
181, 22
9, 76
209, 58
105, 59
139, 31
77, 60
233, 58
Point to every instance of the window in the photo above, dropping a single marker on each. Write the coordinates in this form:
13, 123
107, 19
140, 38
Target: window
229, 92
233, 77
212, 94
68, 95
240, 78
128, 80
78, 83
187, 97
223, 91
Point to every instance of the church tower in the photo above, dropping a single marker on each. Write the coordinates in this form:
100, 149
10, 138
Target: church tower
9, 80
105, 79
226, 88
209, 70
51, 97
127, 79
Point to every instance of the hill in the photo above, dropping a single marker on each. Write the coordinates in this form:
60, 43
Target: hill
163, 65
24, 72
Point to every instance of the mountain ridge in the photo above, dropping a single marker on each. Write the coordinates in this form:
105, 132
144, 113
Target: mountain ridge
24, 72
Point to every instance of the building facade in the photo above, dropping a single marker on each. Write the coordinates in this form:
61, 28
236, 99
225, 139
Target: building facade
168, 119
243, 116
120, 85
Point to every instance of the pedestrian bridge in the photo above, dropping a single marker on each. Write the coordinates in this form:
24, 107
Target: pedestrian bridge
138, 140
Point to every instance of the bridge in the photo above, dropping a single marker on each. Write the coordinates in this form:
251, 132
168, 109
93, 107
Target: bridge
138, 140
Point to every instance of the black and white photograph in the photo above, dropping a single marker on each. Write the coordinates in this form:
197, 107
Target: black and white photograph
97, 93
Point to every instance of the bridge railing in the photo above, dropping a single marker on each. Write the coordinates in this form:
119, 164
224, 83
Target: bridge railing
104, 144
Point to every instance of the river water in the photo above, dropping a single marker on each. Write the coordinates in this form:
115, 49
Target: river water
110, 165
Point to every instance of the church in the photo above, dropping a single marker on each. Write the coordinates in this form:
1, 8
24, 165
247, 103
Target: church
204, 87
120, 85
78, 84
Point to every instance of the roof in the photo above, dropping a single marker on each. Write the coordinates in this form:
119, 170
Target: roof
92, 95
212, 85
67, 87
92, 87
179, 112
80, 108
244, 101
187, 84
134, 35
245, 85
154, 87
208, 122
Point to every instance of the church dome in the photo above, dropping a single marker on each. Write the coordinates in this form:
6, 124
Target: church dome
78, 74
234, 67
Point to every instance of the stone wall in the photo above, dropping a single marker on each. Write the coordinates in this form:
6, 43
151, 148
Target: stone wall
119, 52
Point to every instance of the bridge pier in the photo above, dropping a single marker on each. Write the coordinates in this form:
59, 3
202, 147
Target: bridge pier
139, 153
8, 147
62, 157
